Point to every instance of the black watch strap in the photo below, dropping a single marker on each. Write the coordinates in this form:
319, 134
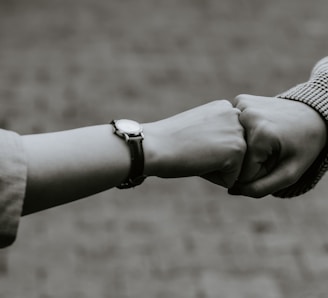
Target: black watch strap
122, 128
136, 174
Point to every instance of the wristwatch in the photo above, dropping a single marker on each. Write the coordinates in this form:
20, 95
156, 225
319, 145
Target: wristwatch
132, 133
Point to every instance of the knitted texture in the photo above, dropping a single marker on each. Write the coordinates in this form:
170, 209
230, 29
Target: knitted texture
315, 94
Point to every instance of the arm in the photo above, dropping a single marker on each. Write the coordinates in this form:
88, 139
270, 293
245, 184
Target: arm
64, 166
68, 165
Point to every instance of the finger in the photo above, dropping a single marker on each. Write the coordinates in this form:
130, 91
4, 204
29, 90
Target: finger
238, 99
281, 177
215, 178
227, 177
226, 180
241, 101
263, 147
250, 168
249, 118
260, 159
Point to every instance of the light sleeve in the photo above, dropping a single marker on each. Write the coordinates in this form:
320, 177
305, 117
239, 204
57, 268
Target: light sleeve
13, 175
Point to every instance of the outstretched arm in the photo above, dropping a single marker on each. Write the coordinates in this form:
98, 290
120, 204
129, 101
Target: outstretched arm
65, 166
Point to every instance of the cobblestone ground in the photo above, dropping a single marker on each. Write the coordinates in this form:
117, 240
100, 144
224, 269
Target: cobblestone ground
72, 63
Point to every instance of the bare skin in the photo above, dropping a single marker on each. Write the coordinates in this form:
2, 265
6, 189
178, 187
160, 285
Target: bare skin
206, 141
283, 137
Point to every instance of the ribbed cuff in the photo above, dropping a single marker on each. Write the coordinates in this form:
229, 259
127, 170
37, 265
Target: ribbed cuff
311, 94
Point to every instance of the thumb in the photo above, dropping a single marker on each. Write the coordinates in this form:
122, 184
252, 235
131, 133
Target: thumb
281, 177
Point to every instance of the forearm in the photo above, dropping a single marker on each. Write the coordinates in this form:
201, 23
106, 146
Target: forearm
69, 165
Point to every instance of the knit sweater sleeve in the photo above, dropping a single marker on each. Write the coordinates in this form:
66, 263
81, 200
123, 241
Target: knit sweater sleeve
315, 94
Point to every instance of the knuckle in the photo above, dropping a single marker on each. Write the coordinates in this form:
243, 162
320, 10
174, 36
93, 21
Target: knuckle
241, 96
250, 113
239, 101
218, 106
255, 192
224, 102
229, 165
291, 175
222, 107
236, 111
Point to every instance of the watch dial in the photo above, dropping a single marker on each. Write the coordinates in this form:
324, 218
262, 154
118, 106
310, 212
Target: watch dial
128, 126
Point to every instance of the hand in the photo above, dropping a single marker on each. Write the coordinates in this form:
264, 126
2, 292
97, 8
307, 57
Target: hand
205, 141
284, 137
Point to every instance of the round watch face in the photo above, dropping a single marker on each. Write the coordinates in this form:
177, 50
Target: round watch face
128, 126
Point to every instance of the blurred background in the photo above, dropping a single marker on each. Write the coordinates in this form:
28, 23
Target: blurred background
72, 63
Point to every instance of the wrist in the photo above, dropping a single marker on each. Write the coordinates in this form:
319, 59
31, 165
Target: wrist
152, 149
314, 117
